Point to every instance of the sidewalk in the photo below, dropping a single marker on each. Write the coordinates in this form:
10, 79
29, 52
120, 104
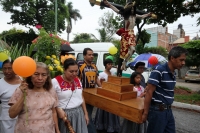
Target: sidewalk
186, 106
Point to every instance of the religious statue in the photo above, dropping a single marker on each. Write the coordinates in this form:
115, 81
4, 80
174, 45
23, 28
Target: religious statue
127, 33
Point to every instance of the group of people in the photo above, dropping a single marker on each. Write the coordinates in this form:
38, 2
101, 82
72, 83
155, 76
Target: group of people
39, 104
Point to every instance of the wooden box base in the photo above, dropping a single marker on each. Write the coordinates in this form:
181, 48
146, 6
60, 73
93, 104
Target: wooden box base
117, 88
118, 80
129, 109
116, 95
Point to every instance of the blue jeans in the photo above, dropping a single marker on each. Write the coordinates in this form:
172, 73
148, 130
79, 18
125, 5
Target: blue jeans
91, 127
160, 121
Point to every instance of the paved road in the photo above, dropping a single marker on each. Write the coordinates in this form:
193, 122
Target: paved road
186, 121
195, 86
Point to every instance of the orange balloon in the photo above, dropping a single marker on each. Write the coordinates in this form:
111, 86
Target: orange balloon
24, 66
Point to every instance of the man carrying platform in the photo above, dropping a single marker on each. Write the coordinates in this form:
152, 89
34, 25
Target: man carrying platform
160, 93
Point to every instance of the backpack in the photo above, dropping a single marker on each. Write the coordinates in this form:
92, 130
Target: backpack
83, 66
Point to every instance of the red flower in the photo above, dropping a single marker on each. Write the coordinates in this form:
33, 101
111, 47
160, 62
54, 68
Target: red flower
34, 41
38, 26
50, 35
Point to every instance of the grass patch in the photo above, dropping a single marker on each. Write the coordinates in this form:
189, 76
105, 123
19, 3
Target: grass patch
186, 95
193, 98
182, 88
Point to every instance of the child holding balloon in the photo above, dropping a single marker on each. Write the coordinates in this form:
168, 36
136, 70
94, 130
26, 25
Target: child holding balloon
34, 101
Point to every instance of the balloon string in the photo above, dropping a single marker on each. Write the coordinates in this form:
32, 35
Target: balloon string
26, 109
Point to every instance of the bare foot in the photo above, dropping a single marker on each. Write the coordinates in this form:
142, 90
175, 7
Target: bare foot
123, 67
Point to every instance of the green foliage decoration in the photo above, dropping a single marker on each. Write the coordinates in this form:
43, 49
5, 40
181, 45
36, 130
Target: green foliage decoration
46, 44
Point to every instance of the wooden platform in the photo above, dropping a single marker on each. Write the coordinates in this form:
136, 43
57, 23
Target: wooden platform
130, 109
117, 96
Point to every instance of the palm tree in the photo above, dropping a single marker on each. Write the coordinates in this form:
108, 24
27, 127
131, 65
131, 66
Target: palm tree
104, 36
73, 14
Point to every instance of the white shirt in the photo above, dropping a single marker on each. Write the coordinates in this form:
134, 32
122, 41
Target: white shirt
104, 75
68, 99
6, 91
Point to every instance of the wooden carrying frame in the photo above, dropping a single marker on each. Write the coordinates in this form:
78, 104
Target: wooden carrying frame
116, 96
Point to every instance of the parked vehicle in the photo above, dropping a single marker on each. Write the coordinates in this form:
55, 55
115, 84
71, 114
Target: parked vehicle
192, 75
100, 53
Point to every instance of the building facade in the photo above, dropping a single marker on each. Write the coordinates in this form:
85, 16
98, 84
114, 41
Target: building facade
161, 37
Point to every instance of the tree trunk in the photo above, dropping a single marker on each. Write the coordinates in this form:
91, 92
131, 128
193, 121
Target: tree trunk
68, 37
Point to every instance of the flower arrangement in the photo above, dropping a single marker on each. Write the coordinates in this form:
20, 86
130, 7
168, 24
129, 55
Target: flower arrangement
48, 50
47, 44
54, 65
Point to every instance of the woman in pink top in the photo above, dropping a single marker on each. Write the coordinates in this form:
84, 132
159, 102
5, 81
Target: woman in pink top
36, 112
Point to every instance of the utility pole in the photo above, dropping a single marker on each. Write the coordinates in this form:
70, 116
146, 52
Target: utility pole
56, 16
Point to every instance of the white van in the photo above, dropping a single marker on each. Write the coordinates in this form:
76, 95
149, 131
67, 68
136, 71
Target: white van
100, 53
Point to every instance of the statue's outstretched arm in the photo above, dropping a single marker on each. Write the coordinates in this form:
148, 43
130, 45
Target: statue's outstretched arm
111, 6
143, 16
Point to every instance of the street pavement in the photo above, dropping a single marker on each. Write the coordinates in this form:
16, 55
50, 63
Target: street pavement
194, 86
186, 121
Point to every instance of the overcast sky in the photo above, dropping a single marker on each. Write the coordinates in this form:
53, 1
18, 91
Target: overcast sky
89, 22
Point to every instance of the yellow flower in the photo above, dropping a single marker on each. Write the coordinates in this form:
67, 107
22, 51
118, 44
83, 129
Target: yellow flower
61, 70
53, 56
56, 62
48, 57
58, 68
50, 68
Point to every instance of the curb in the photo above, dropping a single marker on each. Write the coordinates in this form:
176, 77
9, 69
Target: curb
186, 106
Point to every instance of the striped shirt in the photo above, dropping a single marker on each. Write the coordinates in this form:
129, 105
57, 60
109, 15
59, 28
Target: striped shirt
165, 82
89, 75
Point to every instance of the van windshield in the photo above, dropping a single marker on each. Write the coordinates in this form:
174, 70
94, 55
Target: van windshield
80, 57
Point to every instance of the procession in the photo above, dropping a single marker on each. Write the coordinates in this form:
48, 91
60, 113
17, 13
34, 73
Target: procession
53, 85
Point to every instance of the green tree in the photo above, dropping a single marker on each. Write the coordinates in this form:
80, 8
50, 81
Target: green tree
108, 28
198, 21
73, 13
168, 11
193, 48
156, 50
20, 37
84, 38
33, 12
144, 38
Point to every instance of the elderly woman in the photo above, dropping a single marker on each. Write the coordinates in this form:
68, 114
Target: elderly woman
71, 103
34, 103
8, 84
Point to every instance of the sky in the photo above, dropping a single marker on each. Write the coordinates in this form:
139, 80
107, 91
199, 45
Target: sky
90, 17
